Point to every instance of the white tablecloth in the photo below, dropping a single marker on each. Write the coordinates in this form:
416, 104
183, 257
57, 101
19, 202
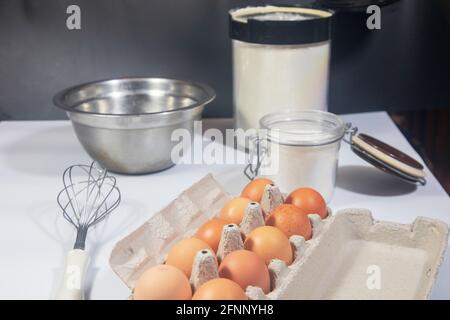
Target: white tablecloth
34, 238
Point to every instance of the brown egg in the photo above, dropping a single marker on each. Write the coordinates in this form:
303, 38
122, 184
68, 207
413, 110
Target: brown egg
245, 268
254, 189
233, 211
291, 220
220, 289
269, 243
309, 200
211, 232
183, 253
162, 282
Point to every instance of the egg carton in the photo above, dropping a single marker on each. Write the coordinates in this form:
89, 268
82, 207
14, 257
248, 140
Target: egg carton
350, 255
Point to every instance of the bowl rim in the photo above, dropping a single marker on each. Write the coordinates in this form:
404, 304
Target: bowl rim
58, 100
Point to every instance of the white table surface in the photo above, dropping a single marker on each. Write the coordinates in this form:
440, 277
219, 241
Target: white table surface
34, 238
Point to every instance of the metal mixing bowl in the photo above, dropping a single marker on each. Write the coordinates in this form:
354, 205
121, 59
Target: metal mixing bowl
126, 124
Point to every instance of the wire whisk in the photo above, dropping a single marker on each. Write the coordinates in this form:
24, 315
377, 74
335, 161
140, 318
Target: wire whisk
89, 195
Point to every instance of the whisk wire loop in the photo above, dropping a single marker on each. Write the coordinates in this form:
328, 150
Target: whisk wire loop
89, 195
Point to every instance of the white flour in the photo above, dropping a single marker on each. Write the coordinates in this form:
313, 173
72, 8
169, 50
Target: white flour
271, 78
303, 150
313, 167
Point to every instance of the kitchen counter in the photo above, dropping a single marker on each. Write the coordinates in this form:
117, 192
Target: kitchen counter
34, 237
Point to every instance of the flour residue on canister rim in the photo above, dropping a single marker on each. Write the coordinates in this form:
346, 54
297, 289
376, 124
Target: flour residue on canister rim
274, 13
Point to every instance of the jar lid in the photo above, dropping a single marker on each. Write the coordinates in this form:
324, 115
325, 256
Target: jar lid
303, 128
280, 25
387, 158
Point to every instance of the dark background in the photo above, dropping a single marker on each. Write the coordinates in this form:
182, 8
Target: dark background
403, 66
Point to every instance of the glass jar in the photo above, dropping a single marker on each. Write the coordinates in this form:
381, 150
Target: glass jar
301, 149
280, 60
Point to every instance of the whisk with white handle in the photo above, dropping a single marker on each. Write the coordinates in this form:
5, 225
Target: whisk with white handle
88, 197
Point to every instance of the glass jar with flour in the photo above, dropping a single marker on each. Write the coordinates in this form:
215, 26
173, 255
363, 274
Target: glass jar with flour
300, 148
280, 60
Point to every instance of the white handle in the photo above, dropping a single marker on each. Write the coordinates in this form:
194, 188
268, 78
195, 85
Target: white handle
72, 287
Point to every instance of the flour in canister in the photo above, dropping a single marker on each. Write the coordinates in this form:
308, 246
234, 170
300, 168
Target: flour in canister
305, 152
313, 167
272, 78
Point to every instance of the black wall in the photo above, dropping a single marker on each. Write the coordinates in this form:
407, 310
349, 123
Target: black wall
405, 65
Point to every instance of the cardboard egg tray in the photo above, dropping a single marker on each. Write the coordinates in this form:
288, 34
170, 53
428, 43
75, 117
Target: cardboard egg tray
350, 255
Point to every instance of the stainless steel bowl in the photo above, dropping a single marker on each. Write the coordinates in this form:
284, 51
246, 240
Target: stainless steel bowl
126, 124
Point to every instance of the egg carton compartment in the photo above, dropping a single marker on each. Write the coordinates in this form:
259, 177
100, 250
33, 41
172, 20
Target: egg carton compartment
357, 257
148, 245
336, 263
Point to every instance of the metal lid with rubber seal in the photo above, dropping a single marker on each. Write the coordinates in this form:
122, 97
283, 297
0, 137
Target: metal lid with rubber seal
287, 25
